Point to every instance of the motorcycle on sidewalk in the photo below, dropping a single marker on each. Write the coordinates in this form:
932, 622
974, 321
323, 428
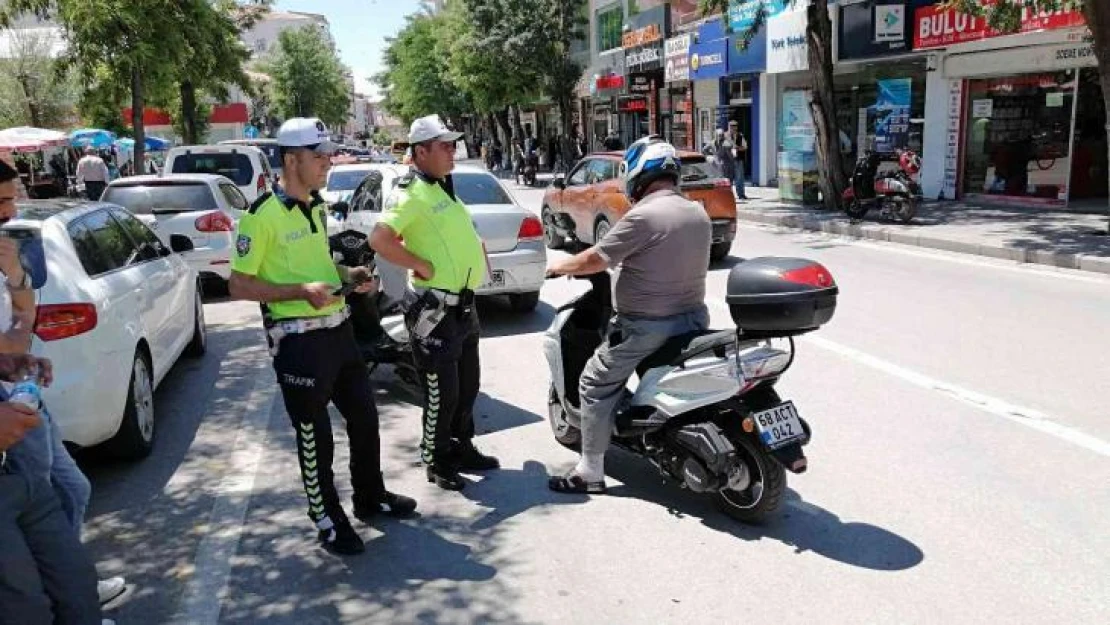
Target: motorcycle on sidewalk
379, 324
896, 194
530, 169
704, 410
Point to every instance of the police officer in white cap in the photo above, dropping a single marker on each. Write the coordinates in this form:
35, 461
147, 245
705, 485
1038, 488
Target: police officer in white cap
448, 262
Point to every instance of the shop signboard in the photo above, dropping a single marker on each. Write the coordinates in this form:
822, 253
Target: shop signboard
643, 42
872, 28
750, 60
709, 52
786, 43
952, 142
937, 27
676, 58
644, 82
632, 104
741, 13
1027, 59
892, 114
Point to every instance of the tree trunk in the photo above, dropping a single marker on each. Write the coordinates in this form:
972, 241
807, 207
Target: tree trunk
189, 113
32, 104
506, 129
830, 171
1098, 20
518, 128
138, 104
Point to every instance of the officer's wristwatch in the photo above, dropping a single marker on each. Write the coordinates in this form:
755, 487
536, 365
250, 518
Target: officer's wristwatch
23, 284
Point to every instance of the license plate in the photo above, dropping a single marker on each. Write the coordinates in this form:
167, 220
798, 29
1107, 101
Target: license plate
497, 279
779, 426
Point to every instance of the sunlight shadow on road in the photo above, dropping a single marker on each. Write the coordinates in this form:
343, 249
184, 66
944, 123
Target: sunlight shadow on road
510, 492
493, 415
799, 524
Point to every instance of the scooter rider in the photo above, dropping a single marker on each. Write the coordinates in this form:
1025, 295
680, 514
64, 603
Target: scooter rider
442, 249
661, 249
281, 260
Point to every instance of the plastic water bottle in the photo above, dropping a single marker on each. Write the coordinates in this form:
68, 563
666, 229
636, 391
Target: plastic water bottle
27, 391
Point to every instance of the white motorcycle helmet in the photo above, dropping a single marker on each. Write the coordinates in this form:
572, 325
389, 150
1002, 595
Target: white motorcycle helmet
646, 161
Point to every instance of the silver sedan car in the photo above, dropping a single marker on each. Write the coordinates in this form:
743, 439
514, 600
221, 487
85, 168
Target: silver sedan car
513, 236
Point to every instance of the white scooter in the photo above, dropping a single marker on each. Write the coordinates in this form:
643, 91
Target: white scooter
704, 410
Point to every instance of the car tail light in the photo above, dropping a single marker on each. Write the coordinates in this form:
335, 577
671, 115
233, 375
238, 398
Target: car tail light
812, 275
215, 221
261, 186
530, 230
61, 321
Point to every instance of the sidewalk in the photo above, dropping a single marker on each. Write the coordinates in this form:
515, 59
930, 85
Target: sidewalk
1025, 235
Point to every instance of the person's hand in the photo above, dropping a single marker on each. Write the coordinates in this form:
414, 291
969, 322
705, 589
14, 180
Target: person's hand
319, 294
363, 279
9, 260
15, 421
424, 271
552, 272
14, 366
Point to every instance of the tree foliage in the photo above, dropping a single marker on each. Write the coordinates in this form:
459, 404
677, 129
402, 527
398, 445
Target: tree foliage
35, 89
307, 77
416, 80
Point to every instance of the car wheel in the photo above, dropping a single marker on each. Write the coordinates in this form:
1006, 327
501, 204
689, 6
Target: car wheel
135, 438
524, 302
199, 345
600, 230
551, 237
719, 251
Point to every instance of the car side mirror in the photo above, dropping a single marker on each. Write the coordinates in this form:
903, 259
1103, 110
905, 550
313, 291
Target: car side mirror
342, 209
180, 243
559, 182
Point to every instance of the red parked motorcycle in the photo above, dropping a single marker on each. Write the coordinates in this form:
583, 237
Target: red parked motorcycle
896, 194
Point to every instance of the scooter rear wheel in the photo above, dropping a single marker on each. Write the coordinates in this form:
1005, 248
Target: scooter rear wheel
856, 209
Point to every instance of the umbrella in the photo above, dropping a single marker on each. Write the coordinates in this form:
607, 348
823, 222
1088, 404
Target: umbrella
91, 137
154, 144
27, 139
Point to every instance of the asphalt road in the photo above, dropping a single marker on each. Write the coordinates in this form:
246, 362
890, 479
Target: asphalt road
958, 474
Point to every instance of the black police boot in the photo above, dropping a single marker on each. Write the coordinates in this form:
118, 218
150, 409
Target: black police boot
445, 476
387, 503
342, 539
468, 458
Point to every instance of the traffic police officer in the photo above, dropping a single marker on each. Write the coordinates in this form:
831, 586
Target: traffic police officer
281, 259
448, 261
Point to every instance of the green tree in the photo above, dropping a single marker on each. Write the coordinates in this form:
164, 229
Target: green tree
35, 89
416, 80
308, 79
819, 37
1005, 16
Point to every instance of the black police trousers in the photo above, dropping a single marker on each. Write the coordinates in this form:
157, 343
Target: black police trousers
450, 371
313, 369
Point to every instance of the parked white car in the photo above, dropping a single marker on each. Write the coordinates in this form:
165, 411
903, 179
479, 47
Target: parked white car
116, 312
269, 147
245, 165
513, 236
203, 207
343, 180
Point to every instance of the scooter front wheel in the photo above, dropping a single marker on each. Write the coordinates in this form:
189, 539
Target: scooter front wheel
856, 209
565, 432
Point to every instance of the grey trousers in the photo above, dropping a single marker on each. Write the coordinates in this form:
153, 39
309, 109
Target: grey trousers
631, 339
46, 577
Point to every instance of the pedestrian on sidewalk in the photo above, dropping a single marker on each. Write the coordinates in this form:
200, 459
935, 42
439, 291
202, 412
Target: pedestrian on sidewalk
282, 261
739, 151
93, 172
448, 261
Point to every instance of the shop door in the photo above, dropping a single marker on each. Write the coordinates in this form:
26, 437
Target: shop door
742, 114
1089, 173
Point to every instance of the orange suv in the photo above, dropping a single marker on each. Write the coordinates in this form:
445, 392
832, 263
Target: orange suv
581, 207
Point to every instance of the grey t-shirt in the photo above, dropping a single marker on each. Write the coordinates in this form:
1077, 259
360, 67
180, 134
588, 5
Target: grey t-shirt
662, 249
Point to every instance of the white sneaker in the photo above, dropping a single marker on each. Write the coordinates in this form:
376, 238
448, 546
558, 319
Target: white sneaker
109, 589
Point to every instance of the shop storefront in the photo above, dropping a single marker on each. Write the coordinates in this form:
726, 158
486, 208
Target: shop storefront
880, 84
678, 101
1031, 117
639, 109
708, 65
797, 151
606, 85
745, 86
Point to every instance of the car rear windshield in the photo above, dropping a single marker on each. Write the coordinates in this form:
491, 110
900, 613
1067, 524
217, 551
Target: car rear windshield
698, 170
479, 189
272, 154
162, 198
236, 167
346, 180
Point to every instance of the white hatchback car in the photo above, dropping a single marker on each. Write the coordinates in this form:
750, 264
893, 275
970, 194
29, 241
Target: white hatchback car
513, 236
117, 310
203, 207
343, 180
245, 165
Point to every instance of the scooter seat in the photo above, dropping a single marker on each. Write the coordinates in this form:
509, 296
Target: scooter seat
681, 348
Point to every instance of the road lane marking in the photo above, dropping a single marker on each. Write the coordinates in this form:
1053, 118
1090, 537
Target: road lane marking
1044, 271
1028, 417
204, 595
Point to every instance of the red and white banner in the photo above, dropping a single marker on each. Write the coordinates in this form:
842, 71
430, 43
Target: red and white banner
936, 27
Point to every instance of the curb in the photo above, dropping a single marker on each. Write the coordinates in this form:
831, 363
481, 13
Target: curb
1082, 262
